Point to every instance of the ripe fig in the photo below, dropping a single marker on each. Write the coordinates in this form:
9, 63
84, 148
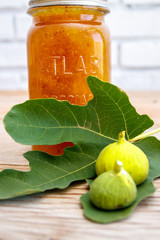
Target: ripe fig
134, 160
114, 189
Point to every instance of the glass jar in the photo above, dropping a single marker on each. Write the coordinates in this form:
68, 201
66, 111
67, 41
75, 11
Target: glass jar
67, 42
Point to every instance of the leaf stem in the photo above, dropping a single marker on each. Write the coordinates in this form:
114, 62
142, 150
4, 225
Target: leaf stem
145, 135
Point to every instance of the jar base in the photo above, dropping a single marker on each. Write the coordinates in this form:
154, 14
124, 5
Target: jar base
56, 150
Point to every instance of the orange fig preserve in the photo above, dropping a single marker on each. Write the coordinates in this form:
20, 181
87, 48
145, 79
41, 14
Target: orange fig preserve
67, 42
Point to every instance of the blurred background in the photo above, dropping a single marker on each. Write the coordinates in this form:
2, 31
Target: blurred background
135, 31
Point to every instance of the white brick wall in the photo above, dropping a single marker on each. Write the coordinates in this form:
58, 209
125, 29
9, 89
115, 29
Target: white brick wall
13, 4
142, 54
134, 23
141, 2
6, 33
135, 31
22, 22
12, 55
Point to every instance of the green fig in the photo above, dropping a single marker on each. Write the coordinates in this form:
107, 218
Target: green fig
114, 189
134, 160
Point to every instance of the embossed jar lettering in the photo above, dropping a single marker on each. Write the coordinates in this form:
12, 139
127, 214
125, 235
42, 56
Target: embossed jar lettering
60, 65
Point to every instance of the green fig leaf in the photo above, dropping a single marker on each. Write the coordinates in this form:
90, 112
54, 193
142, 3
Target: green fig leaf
90, 128
151, 147
101, 216
49, 172
78, 163
49, 122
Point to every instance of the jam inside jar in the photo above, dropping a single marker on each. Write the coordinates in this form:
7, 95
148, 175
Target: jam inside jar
66, 44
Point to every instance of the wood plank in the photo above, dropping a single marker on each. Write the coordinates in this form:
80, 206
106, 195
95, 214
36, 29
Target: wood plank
57, 215
8, 99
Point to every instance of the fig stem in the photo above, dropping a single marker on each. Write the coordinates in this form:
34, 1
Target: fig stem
121, 137
145, 135
118, 166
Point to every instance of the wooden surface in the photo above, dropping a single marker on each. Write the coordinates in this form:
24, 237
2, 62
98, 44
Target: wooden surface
57, 215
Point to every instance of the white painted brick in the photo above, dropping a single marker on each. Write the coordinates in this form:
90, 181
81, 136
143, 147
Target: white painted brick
23, 23
13, 80
114, 53
23, 84
140, 54
141, 2
137, 80
10, 4
6, 26
112, 2
12, 55
130, 23
9, 80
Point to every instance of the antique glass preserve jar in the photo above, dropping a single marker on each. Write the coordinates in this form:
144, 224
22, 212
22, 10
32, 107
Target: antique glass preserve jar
67, 42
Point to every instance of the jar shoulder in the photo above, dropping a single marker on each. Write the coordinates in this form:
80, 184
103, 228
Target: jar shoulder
74, 32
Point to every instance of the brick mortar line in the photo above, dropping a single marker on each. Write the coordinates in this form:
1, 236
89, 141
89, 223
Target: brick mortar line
135, 39
12, 40
13, 11
134, 70
17, 68
146, 69
121, 6
142, 7
14, 26
13, 69
121, 40
137, 68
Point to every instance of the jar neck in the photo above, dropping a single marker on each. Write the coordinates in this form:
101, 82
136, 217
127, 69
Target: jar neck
67, 14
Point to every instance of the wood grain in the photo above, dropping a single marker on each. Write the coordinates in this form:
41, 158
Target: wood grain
57, 215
